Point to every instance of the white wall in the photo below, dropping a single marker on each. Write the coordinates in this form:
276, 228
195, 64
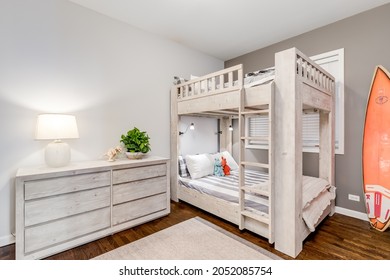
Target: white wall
56, 56
204, 139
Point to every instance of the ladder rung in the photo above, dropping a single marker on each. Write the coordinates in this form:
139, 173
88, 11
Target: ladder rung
256, 215
255, 164
255, 112
257, 189
255, 138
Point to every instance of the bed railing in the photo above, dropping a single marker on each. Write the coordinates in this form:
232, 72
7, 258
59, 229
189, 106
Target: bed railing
313, 75
228, 79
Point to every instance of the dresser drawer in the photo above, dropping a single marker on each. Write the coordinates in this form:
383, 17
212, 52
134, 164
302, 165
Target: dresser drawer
54, 186
138, 173
56, 207
59, 208
138, 189
131, 210
48, 234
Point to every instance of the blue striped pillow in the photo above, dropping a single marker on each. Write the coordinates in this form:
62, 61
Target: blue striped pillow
183, 171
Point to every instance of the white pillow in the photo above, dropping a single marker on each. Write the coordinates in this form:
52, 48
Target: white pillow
200, 165
230, 160
192, 77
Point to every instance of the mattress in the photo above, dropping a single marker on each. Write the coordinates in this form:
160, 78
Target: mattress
255, 78
251, 79
259, 77
226, 187
316, 197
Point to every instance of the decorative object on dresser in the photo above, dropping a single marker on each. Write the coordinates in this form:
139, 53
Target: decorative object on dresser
136, 142
58, 209
113, 153
56, 127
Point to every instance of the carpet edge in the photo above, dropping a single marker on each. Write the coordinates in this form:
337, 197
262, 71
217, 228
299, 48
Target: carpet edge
239, 239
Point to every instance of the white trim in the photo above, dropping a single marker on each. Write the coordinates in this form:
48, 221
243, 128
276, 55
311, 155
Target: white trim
322, 60
7, 240
325, 60
351, 213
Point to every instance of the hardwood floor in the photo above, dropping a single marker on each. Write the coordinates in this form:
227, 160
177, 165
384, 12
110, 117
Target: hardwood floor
338, 238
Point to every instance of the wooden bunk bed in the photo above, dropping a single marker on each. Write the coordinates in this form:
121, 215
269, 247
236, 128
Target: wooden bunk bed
298, 84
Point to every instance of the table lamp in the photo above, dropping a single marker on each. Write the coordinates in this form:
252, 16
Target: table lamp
56, 127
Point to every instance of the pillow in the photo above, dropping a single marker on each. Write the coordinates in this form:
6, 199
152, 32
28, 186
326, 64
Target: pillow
178, 80
230, 160
183, 170
200, 165
192, 77
312, 188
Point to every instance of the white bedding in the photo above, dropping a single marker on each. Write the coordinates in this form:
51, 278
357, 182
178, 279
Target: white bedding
317, 193
226, 187
251, 79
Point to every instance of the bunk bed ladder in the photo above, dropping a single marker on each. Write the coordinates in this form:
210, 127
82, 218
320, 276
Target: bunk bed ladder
265, 189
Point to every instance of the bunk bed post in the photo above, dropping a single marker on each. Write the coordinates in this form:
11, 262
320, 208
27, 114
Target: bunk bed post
327, 144
174, 144
327, 150
225, 138
288, 155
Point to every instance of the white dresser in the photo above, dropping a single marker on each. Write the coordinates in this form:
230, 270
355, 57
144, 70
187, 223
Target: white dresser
60, 208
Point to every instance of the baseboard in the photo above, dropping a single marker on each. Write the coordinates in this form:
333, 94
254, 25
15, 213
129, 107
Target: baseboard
7, 240
10, 239
351, 213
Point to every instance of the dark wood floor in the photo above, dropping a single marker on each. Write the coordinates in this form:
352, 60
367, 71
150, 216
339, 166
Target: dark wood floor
338, 238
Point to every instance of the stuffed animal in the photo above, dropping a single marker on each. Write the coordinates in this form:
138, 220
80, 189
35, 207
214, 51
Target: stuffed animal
218, 171
225, 166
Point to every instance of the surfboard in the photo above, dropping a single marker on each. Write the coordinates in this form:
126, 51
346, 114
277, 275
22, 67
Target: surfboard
376, 151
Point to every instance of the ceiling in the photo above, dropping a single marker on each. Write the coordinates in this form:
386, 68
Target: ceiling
228, 28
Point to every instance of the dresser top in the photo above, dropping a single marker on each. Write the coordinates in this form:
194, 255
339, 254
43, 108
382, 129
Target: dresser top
85, 166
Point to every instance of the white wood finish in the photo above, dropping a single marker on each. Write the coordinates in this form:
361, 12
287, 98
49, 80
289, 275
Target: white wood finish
251, 218
214, 102
138, 173
299, 84
141, 207
226, 137
57, 209
224, 209
65, 205
312, 87
57, 231
174, 144
288, 156
137, 189
61, 185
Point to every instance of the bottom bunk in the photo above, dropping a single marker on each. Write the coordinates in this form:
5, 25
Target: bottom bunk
219, 195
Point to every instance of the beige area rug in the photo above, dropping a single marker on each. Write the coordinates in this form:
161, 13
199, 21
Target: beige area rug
194, 239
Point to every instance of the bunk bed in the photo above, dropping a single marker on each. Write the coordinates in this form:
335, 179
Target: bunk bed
294, 84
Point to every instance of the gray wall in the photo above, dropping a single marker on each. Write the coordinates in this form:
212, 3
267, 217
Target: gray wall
366, 42
56, 56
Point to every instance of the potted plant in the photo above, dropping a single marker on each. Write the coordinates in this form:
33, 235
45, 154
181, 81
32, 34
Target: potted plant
136, 143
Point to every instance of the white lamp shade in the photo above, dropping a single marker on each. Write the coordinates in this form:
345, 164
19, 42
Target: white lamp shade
56, 126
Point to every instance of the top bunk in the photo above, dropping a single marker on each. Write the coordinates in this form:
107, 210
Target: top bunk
218, 93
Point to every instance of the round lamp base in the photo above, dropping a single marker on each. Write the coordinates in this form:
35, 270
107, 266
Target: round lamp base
57, 154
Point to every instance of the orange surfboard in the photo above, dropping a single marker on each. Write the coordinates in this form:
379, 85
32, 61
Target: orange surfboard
376, 151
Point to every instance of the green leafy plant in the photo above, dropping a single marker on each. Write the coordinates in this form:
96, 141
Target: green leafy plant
136, 141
